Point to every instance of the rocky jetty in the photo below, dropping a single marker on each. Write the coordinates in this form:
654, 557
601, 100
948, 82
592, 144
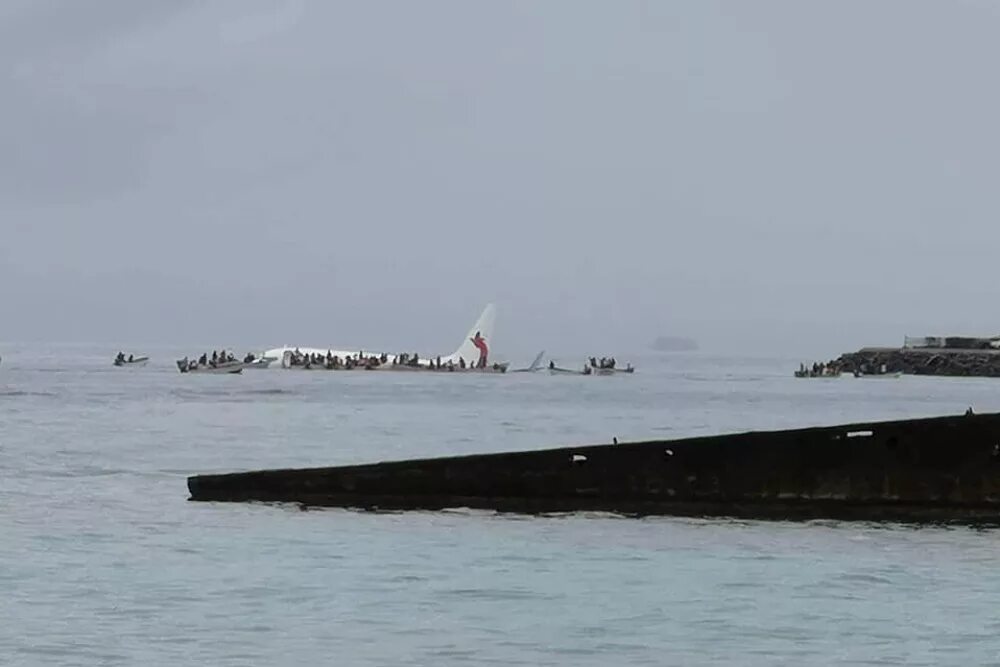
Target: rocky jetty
925, 361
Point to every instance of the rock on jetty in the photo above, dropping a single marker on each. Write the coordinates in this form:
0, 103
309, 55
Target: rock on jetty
937, 469
925, 361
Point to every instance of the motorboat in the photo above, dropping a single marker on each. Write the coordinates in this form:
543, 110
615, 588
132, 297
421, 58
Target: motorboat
606, 366
130, 362
217, 368
590, 370
499, 367
608, 371
810, 374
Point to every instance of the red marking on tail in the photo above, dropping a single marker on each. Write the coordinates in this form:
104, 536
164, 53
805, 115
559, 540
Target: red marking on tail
484, 351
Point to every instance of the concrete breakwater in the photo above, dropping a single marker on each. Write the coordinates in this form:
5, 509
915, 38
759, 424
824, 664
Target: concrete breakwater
924, 361
935, 469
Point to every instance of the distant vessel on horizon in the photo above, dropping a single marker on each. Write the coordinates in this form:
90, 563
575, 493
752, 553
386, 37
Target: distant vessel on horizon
674, 344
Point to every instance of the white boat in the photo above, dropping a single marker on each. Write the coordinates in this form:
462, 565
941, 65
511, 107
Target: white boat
882, 376
224, 368
609, 371
824, 375
606, 367
590, 370
134, 362
500, 367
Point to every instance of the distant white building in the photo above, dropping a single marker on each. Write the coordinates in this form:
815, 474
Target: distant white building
951, 342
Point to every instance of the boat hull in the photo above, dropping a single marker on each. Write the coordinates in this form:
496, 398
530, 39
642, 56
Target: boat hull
603, 372
135, 363
231, 368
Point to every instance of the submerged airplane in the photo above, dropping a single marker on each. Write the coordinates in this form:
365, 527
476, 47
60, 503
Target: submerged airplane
474, 350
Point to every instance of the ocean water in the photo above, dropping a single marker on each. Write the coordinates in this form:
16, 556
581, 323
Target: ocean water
104, 561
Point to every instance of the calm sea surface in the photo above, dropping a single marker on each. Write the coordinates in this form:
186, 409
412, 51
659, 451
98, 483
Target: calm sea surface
103, 561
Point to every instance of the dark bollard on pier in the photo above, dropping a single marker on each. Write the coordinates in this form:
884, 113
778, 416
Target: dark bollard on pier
943, 469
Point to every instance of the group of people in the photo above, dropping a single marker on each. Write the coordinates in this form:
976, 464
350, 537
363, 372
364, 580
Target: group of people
331, 361
120, 359
413, 361
403, 360
821, 369
595, 366
217, 358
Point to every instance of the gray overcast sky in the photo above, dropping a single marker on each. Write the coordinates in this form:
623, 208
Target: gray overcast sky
803, 176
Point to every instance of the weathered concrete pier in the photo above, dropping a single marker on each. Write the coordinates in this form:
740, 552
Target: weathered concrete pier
935, 469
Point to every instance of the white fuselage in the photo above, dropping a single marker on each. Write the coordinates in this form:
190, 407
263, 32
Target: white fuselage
468, 350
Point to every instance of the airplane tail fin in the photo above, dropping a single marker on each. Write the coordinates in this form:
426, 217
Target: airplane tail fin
537, 362
477, 342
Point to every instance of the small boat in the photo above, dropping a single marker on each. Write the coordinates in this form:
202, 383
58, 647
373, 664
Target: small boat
886, 376
134, 362
224, 368
606, 366
810, 374
608, 371
590, 370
